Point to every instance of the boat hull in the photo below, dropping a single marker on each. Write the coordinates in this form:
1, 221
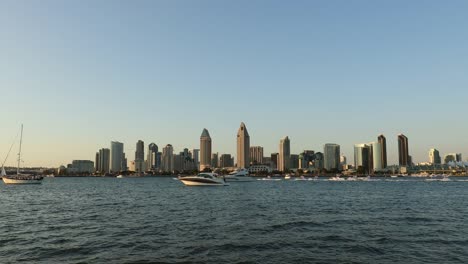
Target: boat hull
191, 182
19, 181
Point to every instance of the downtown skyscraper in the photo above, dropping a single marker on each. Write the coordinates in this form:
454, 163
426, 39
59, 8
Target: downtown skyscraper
140, 156
403, 153
383, 150
331, 153
103, 160
116, 156
243, 147
152, 157
256, 155
167, 160
205, 150
434, 156
284, 154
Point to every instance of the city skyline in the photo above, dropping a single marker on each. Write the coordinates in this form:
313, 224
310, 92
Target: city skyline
206, 136
126, 73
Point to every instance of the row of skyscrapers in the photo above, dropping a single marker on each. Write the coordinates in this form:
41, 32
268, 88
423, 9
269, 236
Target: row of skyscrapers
368, 157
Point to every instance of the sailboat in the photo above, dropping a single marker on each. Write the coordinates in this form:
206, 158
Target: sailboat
21, 178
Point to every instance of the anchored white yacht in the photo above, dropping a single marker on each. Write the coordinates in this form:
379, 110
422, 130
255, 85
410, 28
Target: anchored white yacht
203, 179
240, 175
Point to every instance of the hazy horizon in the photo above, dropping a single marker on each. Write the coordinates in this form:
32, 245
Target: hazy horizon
81, 74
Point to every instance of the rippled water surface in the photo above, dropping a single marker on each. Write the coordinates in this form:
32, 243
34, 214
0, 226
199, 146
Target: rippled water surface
154, 220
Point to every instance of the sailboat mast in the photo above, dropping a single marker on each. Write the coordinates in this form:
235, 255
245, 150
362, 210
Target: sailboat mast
19, 153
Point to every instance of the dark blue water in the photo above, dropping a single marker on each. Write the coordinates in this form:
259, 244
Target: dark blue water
157, 220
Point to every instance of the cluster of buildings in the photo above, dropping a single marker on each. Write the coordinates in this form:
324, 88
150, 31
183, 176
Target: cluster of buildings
369, 158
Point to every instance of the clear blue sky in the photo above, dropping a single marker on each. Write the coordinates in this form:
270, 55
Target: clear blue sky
79, 74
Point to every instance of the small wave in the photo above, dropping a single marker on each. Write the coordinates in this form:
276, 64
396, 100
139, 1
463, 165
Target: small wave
290, 225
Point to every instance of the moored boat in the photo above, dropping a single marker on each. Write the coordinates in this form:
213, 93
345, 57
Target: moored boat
20, 178
203, 179
240, 175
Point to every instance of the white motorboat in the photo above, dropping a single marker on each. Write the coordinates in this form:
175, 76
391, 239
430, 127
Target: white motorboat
240, 175
302, 178
367, 178
443, 177
337, 178
20, 178
203, 179
120, 176
287, 177
269, 178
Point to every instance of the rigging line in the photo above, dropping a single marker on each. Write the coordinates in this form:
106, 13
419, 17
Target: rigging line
12, 144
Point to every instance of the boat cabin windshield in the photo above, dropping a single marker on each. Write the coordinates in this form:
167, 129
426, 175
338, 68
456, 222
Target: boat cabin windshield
204, 175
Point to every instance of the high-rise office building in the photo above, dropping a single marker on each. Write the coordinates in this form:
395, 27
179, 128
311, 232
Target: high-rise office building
124, 166
376, 151
243, 147
459, 157
96, 162
195, 155
103, 160
140, 156
403, 152
293, 161
140, 150
274, 160
383, 153
167, 158
368, 156
116, 156
151, 159
214, 160
343, 160
225, 161
256, 155
306, 159
363, 157
205, 150
331, 154
319, 160
284, 157
434, 156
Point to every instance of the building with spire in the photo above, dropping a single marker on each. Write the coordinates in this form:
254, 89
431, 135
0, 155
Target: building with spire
243, 147
205, 150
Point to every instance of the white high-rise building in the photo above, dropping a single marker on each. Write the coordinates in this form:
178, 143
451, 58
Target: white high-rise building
243, 147
284, 156
331, 153
103, 160
116, 156
368, 156
376, 156
205, 150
